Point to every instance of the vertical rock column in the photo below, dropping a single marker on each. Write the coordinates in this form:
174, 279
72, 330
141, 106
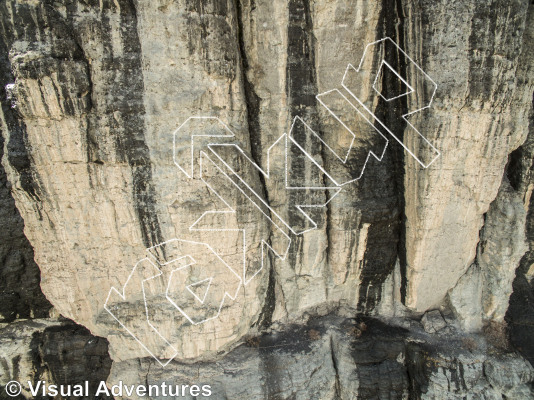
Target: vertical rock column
477, 118
93, 172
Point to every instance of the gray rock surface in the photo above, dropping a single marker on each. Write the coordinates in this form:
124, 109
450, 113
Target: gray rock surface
55, 351
433, 321
104, 177
520, 315
483, 293
92, 95
325, 360
509, 374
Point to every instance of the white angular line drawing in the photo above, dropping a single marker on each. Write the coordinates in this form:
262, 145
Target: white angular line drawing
170, 298
123, 295
155, 266
255, 197
384, 62
189, 171
430, 154
344, 160
279, 254
190, 288
210, 155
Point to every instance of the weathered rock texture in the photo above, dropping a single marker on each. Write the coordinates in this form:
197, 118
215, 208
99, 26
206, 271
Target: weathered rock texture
476, 129
330, 358
53, 351
20, 293
92, 95
482, 294
520, 170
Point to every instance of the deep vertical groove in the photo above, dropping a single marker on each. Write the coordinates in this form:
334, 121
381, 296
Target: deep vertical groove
251, 98
301, 90
400, 162
337, 383
384, 241
252, 101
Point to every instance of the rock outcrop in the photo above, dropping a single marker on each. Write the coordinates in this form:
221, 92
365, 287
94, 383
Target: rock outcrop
184, 247
20, 293
54, 351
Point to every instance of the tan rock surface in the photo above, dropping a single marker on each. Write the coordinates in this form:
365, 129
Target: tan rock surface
99, 89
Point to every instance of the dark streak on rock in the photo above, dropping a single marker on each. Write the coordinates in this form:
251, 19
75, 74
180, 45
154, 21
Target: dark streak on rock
301, 89
254, 128
20, 291
252, 99
265, 318
70, 355
520, 314
15, 362
17, 151
382, 183
337, 383
520, 172
488, 49
211, 38
131, 141
398, 155
18, 157
122, 110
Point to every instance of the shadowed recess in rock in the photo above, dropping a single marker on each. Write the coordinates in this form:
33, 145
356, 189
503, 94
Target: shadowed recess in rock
301, 88
17, 152
70, 355
520, 314
20, 293
382, 182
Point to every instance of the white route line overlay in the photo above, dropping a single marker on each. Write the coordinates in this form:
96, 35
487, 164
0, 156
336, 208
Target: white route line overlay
350, 66
233, 211
146, 259
266, 173
123, 296
226, 294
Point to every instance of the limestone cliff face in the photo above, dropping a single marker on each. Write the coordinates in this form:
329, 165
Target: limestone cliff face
96, 147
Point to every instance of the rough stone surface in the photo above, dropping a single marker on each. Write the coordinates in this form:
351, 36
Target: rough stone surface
466, 299
326, 358
475, 130
20, 293
508, 374
483, 293
520, 316
502, 245
96, 93
384, 362
18, 350
96, 97
54, 351
433, 321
